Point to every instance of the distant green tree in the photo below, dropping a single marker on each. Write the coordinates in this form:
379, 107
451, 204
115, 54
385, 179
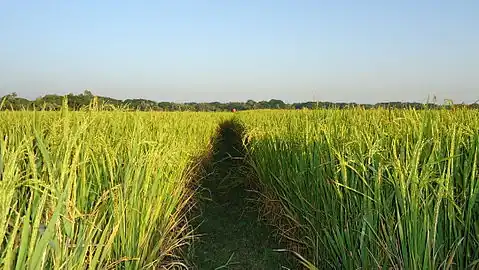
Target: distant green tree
87, 93
82, 101
276, 104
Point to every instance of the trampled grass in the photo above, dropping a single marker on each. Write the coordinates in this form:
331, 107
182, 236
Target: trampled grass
372, 188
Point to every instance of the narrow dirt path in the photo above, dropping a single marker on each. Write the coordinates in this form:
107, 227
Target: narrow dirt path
232, 235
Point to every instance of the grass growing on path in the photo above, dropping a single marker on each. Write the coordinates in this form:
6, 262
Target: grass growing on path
232, 236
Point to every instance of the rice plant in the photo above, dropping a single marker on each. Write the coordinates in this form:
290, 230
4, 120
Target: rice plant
97, 190
372, 188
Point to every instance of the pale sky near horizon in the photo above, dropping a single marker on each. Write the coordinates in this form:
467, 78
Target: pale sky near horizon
297, 50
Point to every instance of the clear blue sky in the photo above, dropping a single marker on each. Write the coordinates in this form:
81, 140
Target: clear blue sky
358, 51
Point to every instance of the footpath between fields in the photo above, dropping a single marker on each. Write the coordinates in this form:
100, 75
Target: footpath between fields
230, 233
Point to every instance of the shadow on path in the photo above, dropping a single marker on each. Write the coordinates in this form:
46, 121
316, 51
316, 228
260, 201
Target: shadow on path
231, 234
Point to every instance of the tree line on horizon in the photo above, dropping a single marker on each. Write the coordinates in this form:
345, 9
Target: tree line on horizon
52, 102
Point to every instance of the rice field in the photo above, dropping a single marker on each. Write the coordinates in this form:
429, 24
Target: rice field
97, 190
344, 189
371, 189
